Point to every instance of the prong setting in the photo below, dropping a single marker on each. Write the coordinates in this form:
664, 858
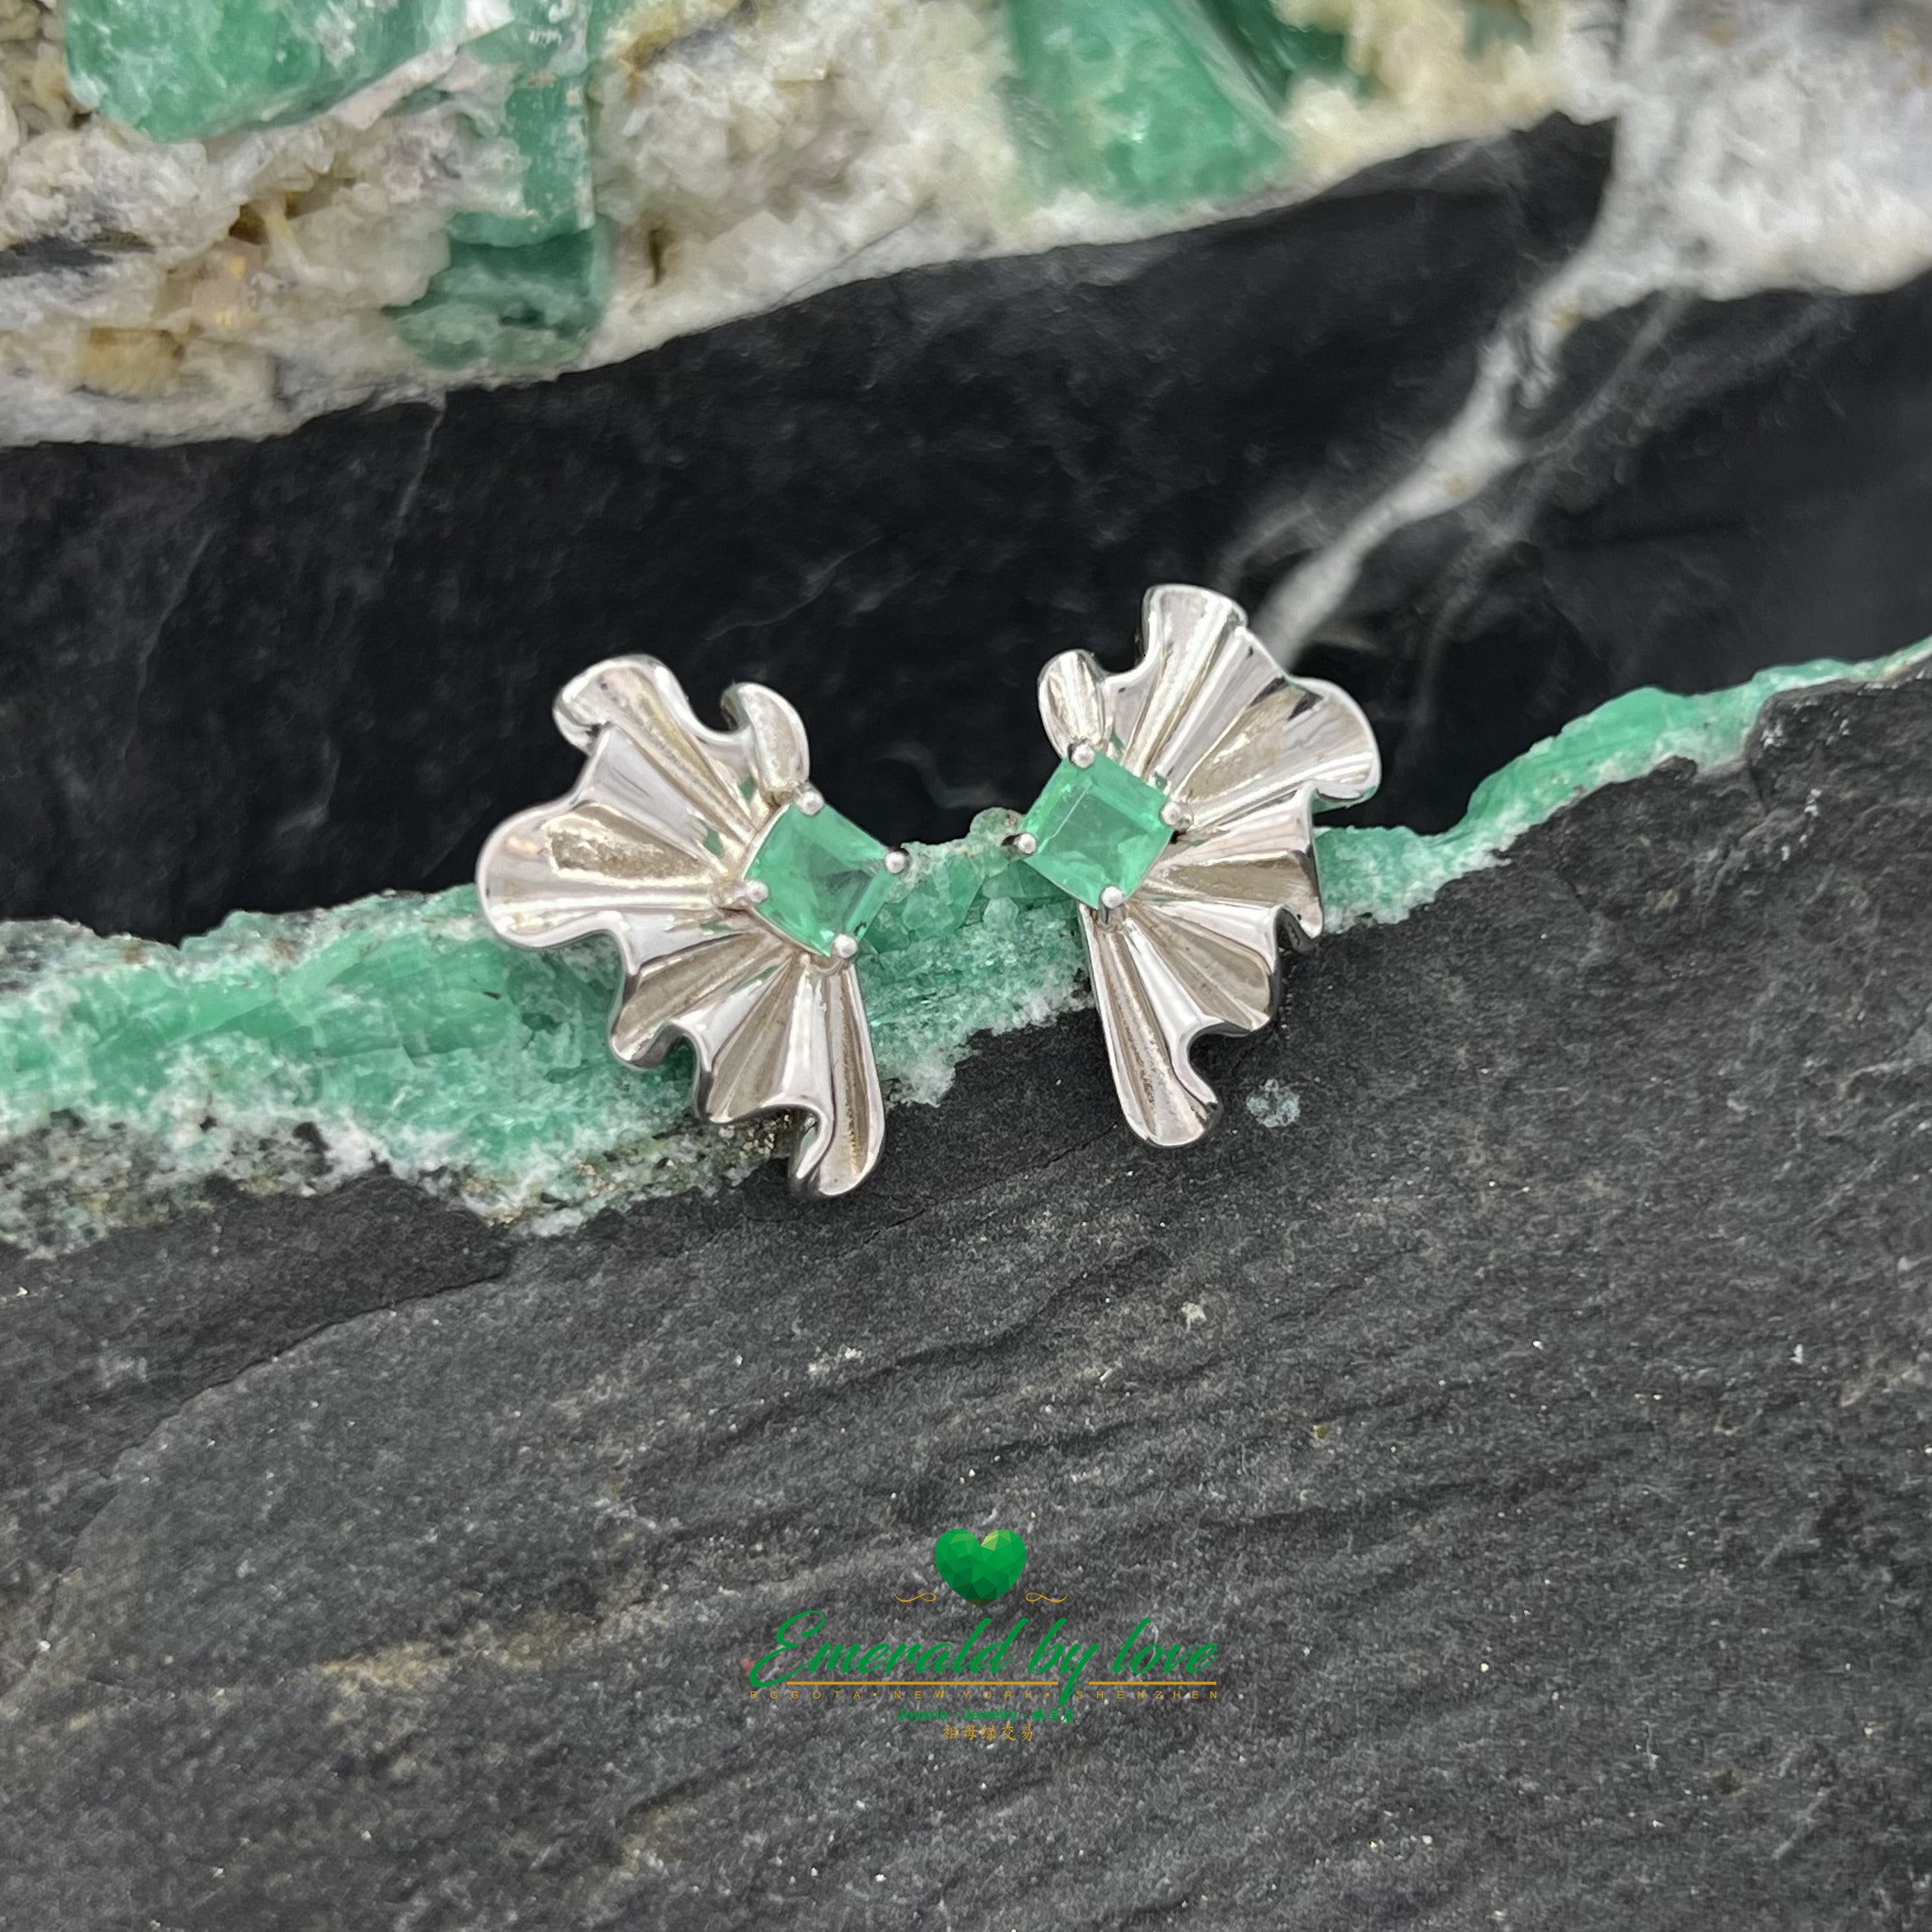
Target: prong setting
809, 800
1024, 843
1082, 755
1112, 898
896, 861
1175, 816
845, 947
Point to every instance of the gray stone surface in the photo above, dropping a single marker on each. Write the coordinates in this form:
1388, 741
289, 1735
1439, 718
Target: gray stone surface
1552, 1460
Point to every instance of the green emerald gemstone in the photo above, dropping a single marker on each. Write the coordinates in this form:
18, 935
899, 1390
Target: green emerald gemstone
1095, 825
822, 874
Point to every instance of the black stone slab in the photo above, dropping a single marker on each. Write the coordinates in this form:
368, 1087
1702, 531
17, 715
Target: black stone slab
1546, 1449
1712, 486
282, 674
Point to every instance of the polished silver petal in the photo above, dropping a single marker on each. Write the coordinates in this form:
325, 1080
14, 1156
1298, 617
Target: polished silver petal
804, 1045
1265, 861
1306, 738
1165, 973
1160, 719
643, 701
650, 847
1243, 752
1150, 1019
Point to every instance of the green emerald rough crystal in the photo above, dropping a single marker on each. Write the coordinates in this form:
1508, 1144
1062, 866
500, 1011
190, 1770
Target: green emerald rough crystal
529, 307
548, 49
1145, 101
545, 119
1097, 826
1275, 54
185, 69
823, 876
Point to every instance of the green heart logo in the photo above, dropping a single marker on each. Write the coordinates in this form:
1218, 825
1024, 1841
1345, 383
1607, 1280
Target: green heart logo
978, 1568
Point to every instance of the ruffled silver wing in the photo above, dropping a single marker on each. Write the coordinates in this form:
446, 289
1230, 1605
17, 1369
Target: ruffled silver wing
651, 847
1244, 751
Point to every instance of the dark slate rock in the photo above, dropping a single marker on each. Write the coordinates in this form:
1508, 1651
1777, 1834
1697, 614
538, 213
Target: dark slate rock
1713, 487
1551, 1460
281, 675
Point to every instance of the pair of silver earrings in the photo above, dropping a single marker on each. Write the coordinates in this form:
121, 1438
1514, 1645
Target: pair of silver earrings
1179, 819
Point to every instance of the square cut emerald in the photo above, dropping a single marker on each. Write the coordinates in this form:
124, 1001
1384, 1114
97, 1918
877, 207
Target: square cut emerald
1097, 826
823, 876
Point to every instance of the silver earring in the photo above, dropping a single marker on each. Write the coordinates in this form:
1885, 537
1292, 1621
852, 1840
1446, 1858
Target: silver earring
736, 894
1179, 818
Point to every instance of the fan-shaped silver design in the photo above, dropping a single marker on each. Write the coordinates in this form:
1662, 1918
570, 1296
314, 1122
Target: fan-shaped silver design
1241, 751
652, 847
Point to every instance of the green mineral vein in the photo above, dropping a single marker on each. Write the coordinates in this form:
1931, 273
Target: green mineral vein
292, 1051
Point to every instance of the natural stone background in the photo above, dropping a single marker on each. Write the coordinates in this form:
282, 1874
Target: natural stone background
368, 1570
282, 674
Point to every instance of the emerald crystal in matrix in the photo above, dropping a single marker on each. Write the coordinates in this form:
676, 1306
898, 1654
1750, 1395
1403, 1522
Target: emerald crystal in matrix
1277, 52
823, 876
191, 70
1095, 825
1148, 102
312, 167
528, 307
185, 69
544, 55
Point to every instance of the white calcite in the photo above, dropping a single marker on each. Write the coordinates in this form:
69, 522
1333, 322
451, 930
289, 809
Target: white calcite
745, 156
